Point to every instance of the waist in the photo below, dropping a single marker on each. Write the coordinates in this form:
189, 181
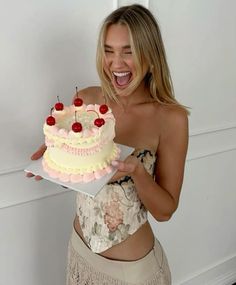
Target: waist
136, 246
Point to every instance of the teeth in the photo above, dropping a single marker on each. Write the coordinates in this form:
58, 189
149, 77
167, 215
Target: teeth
120, 74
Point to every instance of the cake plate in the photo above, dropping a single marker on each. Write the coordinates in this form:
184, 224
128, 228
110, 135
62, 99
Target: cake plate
91, 188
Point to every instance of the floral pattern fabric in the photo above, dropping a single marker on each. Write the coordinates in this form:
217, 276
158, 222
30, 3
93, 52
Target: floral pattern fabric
116, 211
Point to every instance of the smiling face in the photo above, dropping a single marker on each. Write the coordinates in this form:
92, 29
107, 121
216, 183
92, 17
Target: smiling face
131, 57
118, 62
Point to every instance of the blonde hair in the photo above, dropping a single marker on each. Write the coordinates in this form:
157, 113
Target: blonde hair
147, 49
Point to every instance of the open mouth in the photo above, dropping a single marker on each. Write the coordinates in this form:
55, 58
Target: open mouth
122, 78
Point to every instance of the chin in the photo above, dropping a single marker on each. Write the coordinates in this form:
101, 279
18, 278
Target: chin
120, 91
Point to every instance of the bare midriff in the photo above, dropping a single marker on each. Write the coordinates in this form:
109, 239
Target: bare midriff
133, 248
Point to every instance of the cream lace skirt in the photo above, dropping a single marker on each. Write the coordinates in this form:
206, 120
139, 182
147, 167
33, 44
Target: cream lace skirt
87, 268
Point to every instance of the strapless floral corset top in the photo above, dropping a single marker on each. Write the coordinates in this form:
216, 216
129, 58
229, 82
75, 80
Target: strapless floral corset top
116, 211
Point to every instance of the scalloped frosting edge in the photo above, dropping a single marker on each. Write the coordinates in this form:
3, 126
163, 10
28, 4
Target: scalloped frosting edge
73, 177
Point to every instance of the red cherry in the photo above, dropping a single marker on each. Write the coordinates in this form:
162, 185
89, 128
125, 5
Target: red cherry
77, 127
99, 122
59, 106
78, 102
50, 120
103, 109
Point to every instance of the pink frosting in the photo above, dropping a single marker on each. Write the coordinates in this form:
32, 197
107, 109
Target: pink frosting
82, 151
77, 178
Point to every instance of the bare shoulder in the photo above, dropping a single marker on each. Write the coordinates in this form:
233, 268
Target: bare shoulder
91, 95
174, 119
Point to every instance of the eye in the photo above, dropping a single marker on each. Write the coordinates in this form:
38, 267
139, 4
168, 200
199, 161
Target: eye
108, 51
127, 51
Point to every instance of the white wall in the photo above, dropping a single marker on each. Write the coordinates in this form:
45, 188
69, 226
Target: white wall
46, 49
34, 235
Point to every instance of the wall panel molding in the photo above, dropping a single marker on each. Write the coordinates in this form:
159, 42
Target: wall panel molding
12, 170
215, 129
208, 154
221, 274
206, 142
16, 189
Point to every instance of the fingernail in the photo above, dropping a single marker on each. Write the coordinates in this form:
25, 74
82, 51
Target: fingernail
114, 163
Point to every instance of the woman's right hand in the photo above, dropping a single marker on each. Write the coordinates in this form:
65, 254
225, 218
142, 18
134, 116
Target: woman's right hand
39, 153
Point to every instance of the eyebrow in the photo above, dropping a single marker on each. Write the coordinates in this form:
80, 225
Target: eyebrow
124, 47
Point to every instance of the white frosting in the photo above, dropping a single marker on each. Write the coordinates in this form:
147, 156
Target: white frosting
82, 156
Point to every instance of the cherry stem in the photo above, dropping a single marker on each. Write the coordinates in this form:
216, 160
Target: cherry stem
51, 111
94, 112
58, 98
76, 88
105, 100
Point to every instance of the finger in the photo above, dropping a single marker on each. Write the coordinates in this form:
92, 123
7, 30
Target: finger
37, 178
29, 174
124, 166
117, 176
39, 153
115, 163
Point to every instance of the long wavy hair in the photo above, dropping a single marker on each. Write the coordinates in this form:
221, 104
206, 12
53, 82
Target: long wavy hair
147, 49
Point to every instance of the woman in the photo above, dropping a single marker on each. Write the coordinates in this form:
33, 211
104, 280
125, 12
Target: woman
112, 241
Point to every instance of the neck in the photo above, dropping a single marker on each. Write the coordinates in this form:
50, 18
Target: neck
139, 96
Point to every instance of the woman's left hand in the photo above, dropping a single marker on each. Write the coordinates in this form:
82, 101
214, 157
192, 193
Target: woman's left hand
128, 167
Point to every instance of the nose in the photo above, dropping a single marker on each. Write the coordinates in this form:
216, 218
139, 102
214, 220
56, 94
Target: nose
116, 60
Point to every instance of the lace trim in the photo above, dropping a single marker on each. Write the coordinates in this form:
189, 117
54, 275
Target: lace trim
80, 272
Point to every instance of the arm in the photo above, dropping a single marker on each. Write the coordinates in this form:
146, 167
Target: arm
161, 196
